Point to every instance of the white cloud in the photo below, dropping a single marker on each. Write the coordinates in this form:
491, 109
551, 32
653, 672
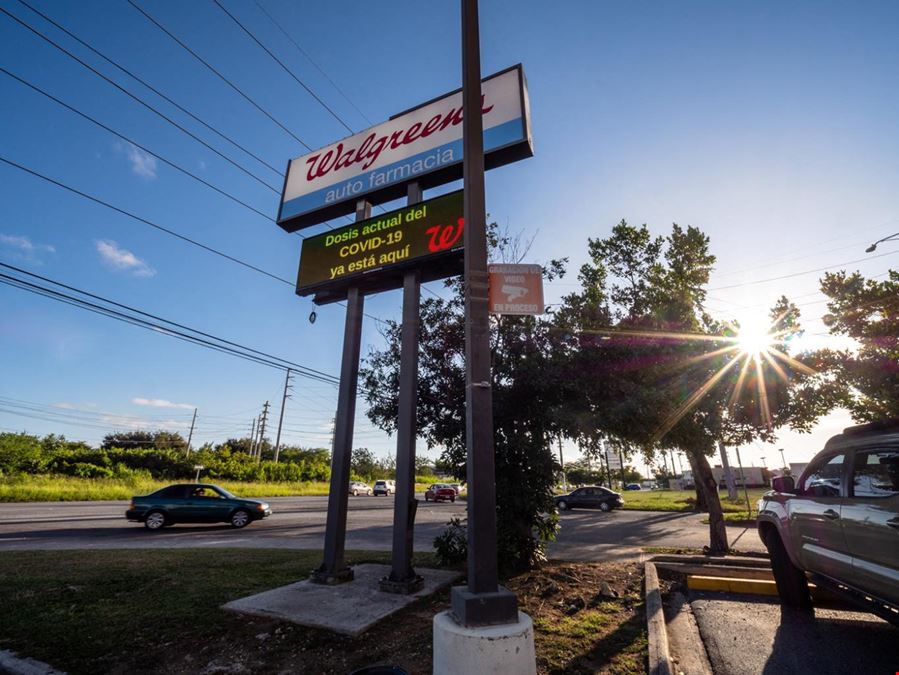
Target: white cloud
161, 403
25, 244
142, 163
122, 259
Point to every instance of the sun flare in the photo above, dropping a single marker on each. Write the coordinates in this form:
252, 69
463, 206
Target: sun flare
754, 337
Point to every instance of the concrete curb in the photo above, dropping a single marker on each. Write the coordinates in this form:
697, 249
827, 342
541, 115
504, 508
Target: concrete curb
731, 585
13, 665
657, 635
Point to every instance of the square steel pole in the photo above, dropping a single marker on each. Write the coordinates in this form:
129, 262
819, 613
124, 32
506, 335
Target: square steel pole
334, 569
402, 578
483, 602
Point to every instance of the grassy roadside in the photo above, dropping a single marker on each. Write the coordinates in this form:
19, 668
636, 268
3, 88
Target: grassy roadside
683, 500
154, 611
51, 488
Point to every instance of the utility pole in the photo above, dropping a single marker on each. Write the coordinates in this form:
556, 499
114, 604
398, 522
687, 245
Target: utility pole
562, 463
191, 434
483, 602
728, 476
743, 478
281, 418
783, 460
253, 436
621, 459
262, 420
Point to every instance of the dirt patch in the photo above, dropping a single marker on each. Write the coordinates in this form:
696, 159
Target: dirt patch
160, 611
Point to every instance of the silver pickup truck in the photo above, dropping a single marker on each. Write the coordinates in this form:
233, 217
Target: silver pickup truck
838, 525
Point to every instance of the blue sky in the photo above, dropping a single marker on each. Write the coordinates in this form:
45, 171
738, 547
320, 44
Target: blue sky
771, 126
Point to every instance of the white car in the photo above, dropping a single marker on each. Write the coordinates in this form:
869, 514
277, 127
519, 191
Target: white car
357, 488
385, 487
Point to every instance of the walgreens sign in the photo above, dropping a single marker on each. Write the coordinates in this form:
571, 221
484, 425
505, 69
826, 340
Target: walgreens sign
423, 144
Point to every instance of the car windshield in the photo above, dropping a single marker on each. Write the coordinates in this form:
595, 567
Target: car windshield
224, 493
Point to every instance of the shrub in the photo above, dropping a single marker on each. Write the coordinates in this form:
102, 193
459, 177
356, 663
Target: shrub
451, 546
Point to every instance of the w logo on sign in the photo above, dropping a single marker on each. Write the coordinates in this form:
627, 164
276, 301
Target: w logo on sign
444, 237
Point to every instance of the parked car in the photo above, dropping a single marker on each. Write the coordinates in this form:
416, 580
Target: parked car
385, 487
359, 488
592, 496
195, 503
440, 491
839, 524
633, 486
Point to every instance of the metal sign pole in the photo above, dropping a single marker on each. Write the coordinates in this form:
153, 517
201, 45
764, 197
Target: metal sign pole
403, 578
483, 602
334, 569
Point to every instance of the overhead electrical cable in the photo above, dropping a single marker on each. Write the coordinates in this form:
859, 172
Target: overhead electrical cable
136, 144
284, 67
139, 100
140, 219
221, 77
149, 86
311, 60
162, 228
799, 274
225, 345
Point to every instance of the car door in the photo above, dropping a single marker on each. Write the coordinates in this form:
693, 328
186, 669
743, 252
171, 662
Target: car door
815, 517
870, 519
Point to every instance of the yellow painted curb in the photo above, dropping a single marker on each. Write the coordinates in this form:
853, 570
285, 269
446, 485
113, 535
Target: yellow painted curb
724, 584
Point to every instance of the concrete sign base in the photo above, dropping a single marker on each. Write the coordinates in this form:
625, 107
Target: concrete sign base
350, 608
507, 649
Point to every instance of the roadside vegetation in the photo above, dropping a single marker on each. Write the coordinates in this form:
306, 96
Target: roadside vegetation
54, 469
160, 611
685, 500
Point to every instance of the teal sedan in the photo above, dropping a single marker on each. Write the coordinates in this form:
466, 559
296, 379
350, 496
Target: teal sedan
195, 503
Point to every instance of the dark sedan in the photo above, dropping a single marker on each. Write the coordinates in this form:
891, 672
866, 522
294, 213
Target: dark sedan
195, 503
592, 497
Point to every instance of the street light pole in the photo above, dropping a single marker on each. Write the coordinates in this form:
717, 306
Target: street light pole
782, 459
873, 247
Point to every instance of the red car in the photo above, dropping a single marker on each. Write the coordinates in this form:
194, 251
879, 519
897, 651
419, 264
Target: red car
440, 491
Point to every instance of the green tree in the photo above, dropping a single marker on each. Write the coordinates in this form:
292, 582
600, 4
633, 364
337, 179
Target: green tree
650, 369
524, 394
144, 440
863, 379
363, 463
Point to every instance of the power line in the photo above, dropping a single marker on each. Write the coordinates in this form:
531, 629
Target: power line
285, 68
135, 143
205, 339
221, 77
310, 59
149, 86
133, 216
799, 274
139, 100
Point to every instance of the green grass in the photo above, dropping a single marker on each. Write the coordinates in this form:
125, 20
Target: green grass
682, 500
93, 611
53, 488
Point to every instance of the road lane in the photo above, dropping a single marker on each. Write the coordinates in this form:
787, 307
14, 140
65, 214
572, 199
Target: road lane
299, 522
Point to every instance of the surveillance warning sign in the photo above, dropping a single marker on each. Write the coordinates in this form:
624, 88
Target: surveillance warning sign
516, 289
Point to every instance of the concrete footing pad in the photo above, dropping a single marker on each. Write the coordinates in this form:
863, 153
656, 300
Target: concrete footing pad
350, 608
507, 649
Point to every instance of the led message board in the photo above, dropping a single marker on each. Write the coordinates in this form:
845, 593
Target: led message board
372, 254
423, 144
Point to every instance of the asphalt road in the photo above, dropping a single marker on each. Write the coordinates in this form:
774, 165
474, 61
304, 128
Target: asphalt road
752, 635
299, 522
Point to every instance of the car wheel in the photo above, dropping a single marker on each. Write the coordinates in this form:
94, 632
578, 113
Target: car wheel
355, 493
453, 500
155, 520
368, 493
605, 507
427, 498
563, 505
792, 585
240, 518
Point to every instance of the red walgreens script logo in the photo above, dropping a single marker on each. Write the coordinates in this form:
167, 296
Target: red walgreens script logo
444, 237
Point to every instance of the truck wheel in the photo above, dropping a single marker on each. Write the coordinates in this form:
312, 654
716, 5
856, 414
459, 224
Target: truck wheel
792, 586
